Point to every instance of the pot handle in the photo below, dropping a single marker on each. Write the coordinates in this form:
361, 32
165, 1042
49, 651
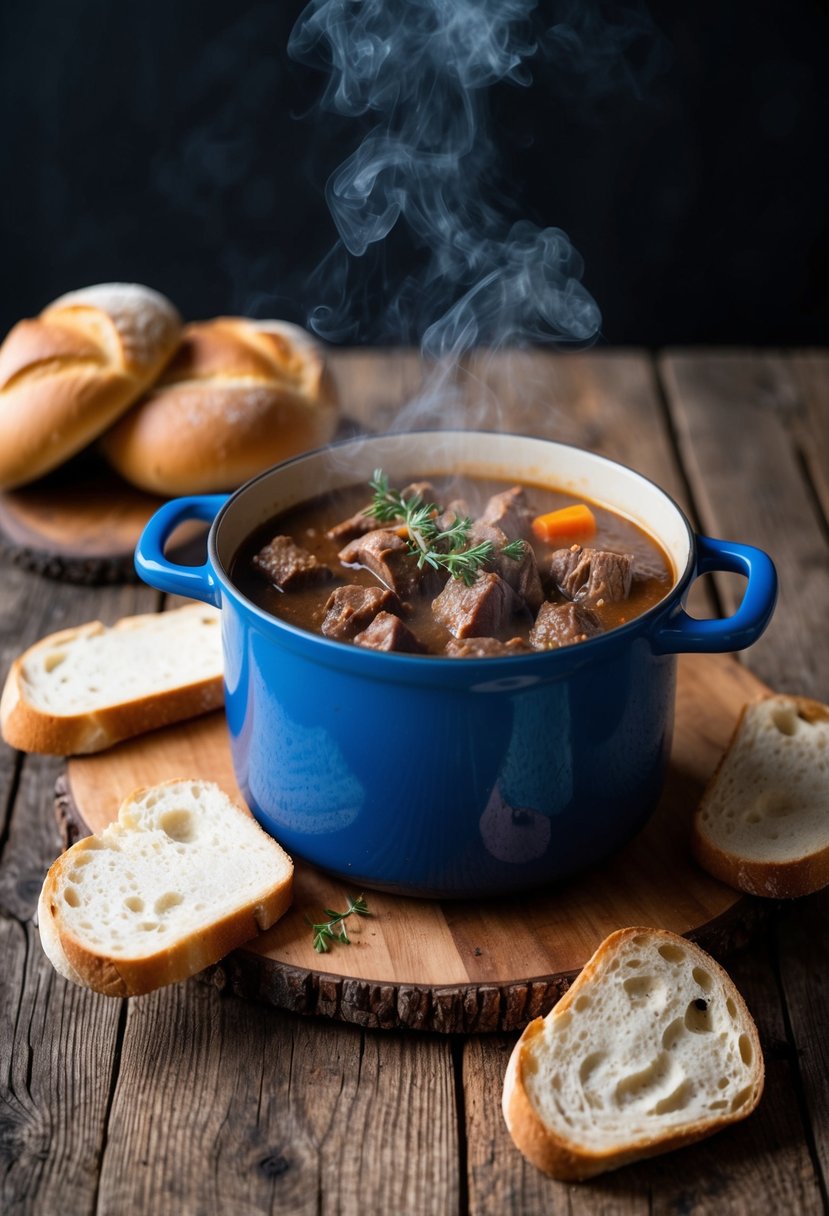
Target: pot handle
197, 582
682, 632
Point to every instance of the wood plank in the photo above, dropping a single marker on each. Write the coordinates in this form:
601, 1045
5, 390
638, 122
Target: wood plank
803, 944
57, 1042
607, 401
718, 399
810, 370
375, 385
804, 933
732, 413
249, 1110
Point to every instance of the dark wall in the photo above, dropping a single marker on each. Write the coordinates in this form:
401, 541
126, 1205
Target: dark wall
176, 144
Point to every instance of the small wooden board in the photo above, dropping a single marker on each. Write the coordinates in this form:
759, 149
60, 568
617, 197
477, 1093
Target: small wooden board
81, 523
460, 966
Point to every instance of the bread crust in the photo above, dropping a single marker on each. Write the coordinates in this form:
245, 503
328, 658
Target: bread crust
68, 374
50, 940
769, 879
570, 1161
238, 397
139, 975
30, 729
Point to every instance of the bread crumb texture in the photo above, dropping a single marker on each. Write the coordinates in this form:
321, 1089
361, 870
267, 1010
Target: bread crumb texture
179, 857
653, 1045
141, 656
769, 800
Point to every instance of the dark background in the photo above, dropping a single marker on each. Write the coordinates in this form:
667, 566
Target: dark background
176, 144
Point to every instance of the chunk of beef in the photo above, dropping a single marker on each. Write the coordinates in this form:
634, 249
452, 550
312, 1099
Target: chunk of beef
510, 512
521, 574
482, 610
354, 526
390, 560
359, 524
592, 576
351, 609
479, 648
649, 569
422, 489
457, 509
387, 632
288, 566
562, 625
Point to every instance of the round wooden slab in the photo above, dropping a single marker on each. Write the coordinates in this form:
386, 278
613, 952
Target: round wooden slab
81, 523
465, 966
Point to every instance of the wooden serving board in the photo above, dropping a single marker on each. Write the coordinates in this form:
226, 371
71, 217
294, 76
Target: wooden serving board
81, 523
472, 965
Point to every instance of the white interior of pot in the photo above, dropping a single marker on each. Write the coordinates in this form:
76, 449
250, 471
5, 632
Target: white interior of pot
446, 453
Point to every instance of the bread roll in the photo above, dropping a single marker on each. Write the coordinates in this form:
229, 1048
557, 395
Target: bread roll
238, 397
68, 374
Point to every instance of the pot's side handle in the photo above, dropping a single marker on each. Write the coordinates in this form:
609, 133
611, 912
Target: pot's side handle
198, 582
682, 632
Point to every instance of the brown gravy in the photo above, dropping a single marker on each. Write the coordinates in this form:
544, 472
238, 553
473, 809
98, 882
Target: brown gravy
308, 523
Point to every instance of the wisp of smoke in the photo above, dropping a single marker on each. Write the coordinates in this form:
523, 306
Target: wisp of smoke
417, 72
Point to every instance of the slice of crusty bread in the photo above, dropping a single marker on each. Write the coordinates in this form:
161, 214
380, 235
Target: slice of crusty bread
182, 877
650, 1049
85, 688
763, 823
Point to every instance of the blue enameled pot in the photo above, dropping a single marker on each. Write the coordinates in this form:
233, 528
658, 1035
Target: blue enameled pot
465, 777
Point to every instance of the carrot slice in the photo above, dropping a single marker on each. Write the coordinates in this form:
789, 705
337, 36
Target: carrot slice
577, 520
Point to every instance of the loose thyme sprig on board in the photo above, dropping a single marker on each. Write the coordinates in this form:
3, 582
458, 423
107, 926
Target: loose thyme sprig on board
440, 548
333, 929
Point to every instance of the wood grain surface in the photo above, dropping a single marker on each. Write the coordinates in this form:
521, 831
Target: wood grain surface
80, 524
193, 1101
460, 966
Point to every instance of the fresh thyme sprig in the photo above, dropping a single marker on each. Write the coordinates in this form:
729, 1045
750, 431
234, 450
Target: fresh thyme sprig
334, 929
440, 548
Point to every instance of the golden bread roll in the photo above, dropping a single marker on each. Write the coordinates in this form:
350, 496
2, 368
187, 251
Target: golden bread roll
68, 374
239, 396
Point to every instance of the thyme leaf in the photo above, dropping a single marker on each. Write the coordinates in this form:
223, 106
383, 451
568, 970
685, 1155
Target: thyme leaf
440, 548
333, 929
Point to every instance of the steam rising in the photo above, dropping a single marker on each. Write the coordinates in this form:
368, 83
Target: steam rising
417, 72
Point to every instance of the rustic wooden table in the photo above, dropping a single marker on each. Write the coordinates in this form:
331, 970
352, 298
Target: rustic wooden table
193, 1101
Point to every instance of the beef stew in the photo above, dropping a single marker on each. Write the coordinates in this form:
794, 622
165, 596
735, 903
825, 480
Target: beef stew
328, 567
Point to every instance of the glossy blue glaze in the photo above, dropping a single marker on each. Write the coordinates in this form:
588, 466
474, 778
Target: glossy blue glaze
453, 778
